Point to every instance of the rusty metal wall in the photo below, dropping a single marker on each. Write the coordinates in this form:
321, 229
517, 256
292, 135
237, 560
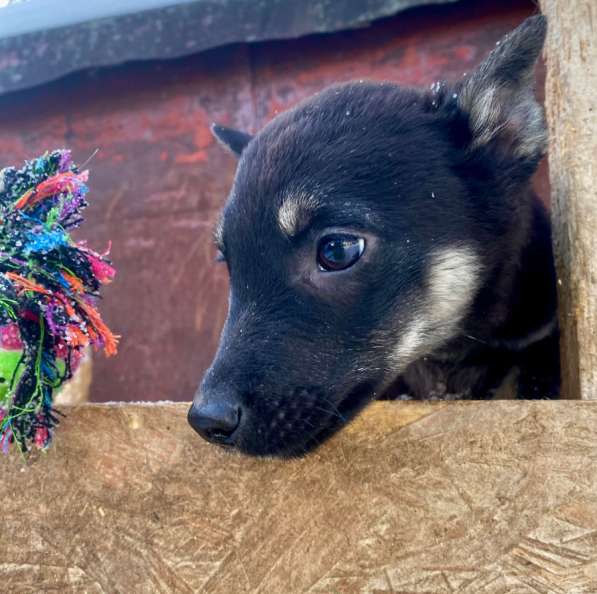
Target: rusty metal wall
159, 178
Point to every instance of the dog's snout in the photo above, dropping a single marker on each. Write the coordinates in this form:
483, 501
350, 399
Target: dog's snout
215, 421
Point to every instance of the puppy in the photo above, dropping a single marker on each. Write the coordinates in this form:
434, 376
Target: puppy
383, 240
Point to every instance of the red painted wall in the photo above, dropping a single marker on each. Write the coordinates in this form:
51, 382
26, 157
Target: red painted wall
159, 178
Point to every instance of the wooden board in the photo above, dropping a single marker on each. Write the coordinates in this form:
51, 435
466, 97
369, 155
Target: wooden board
429, 498
571, 51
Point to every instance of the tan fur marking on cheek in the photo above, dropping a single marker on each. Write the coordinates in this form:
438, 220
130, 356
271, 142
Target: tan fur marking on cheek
452, 282
295, 213
411, 341
453, 279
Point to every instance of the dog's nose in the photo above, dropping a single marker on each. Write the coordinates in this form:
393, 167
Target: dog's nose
215, 421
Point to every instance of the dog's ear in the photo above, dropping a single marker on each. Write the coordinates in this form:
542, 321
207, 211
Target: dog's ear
498, 98
233, 140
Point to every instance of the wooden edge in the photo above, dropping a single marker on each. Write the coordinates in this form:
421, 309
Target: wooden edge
473, 497
571, 106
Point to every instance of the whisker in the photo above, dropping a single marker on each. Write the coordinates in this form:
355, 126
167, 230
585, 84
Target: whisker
325, 410
476, 339
335, 410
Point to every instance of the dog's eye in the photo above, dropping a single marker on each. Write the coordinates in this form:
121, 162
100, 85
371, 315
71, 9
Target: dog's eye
338, 252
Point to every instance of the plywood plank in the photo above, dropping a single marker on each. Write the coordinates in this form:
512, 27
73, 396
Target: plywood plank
496, 497
571, 103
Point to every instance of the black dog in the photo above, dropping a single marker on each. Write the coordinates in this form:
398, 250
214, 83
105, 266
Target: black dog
383, 240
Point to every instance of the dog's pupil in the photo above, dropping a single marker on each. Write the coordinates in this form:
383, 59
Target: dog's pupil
337, 252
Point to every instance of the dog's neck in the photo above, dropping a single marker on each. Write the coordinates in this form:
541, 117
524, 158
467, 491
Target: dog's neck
518, 303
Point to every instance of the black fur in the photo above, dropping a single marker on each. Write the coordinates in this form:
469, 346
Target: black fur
412, 172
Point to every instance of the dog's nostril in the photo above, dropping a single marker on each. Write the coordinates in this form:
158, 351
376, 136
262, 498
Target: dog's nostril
215, 421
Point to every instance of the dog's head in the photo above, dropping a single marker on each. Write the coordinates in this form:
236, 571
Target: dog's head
359, 229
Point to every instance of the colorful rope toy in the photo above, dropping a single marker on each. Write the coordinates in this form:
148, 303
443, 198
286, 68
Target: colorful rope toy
48, 288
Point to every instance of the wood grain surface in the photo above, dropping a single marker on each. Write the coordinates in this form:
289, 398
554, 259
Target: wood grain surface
429, 498
571, 103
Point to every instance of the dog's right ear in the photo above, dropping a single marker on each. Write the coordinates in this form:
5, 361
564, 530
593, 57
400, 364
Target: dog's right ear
233, 140
499, 100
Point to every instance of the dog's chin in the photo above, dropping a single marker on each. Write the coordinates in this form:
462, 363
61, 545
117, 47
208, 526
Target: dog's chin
252, 444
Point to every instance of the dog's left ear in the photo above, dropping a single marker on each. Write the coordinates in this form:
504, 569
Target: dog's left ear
233, 140
499, 98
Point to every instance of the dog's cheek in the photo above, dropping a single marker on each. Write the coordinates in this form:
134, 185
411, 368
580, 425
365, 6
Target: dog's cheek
433, 313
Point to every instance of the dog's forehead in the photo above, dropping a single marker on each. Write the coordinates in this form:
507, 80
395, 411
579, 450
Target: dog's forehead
296, 211
289, 213
304, 161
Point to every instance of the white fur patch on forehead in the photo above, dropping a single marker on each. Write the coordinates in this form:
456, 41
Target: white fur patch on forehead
296, 212
453, 277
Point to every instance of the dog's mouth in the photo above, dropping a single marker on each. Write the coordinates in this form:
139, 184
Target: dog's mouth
310, 431
348, 408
